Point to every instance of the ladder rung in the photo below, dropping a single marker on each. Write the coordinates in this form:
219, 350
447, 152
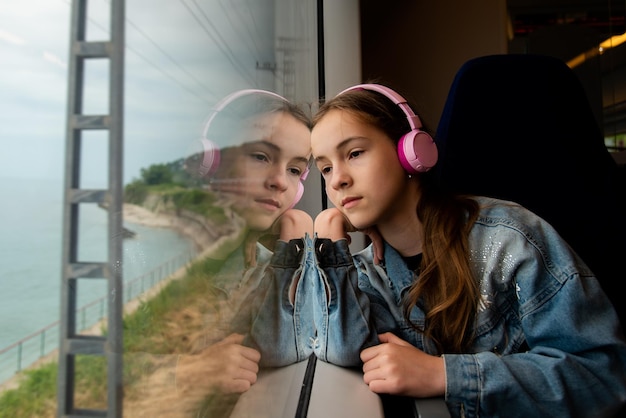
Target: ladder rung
93, 49
90, 122
87, 270
87, 413
86, 344
88, 195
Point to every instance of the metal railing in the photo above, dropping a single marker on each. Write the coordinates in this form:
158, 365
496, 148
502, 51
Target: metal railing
38, 345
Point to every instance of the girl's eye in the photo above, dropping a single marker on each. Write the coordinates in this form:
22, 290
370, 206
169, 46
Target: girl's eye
325, 170
355, 154
295, 171
259, 157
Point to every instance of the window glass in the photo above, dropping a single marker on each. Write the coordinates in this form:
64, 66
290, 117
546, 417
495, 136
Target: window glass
589, 36
181, 59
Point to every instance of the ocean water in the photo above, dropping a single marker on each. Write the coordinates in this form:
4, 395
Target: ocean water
30, 254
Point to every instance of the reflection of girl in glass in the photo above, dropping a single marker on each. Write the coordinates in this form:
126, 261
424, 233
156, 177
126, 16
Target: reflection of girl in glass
254, 158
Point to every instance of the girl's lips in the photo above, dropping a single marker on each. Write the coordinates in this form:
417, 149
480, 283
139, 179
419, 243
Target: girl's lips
349, 202
269, 203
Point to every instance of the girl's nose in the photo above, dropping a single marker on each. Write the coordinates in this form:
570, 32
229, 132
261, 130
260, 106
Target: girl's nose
339, 178
277, 179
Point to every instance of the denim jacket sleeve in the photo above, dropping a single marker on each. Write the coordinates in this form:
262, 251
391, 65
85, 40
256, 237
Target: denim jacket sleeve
345, 329
272, 324
548, 341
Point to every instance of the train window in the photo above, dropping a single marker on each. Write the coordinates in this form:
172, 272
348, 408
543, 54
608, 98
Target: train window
589, 36
181, 58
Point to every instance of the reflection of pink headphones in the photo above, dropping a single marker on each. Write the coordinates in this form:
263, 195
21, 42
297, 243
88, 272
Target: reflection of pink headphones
416, 149
211, 151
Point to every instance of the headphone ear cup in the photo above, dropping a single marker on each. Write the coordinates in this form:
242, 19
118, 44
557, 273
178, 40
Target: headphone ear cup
299, 194
210, 161
203, 158
300, 191
417, 152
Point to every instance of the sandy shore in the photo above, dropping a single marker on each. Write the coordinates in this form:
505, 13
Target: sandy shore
142, 216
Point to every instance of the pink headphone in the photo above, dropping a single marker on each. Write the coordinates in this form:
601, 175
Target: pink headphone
211, 151
417, 151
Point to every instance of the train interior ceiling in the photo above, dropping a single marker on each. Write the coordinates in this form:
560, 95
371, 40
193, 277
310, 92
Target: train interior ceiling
588, 35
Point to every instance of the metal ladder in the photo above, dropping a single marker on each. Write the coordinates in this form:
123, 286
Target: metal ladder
71, 344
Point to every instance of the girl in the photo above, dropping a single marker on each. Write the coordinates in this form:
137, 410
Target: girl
469, 298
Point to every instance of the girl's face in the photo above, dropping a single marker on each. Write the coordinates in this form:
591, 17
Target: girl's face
262, 175
364, 178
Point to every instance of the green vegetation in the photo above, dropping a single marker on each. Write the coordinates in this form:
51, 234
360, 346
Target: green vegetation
34, 396
176, 188
136, 192
157, 174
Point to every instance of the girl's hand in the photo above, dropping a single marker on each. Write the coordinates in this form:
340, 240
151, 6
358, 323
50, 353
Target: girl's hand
377, 243
396, 367
226, 366
292, 224
332, 224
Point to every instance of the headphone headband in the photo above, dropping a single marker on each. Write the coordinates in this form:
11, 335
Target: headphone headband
221, 105
211, 154
414, 120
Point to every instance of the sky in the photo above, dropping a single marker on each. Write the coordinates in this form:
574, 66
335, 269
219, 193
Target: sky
181, 57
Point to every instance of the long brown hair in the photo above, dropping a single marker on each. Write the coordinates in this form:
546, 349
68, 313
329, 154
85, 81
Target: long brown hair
446, 288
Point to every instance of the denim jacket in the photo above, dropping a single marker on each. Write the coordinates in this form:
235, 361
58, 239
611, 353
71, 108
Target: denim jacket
282, 331
548, 341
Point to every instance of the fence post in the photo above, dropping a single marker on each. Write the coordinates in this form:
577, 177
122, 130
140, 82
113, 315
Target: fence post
43, 343
19, 357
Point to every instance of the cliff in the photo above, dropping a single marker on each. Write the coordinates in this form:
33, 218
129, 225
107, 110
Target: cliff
206, 233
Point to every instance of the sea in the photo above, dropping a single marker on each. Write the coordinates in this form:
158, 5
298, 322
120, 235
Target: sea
30, 254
